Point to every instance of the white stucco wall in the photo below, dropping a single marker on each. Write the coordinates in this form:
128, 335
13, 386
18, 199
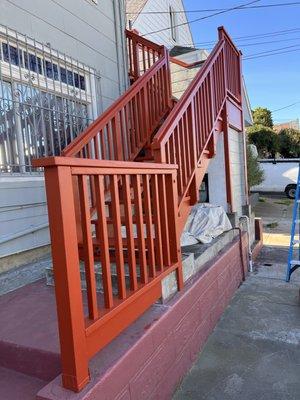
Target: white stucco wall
237, 166
216, 176
216, 172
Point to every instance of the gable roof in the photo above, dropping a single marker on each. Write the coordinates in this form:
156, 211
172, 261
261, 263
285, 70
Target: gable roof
133, 8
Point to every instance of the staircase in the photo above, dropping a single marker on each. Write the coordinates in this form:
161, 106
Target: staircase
123, 189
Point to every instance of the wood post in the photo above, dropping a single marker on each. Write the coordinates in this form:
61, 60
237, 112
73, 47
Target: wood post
75, 374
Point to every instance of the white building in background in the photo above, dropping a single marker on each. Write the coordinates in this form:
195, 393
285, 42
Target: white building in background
167, 13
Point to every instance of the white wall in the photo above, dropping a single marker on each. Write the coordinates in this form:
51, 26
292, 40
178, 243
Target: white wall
237, 165
216, 176
216, 172
23, 214
146, 23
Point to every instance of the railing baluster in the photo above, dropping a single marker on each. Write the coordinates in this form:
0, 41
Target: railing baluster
164, 219
129, 232
116, 217
88, 248
149, 224
102, 235
157, 223
139, 220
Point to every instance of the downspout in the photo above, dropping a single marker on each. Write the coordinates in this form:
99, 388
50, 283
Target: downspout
250, 265
120, 43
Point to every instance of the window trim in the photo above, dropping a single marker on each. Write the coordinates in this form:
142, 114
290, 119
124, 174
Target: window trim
173, 22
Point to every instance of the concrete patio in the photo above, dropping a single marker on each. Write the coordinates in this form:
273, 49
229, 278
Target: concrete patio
254, 351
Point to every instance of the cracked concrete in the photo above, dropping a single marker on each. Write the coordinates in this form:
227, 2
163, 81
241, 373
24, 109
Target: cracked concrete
254, 351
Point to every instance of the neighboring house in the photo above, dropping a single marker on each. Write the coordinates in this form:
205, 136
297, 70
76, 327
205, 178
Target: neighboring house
287, 125
186, 61
139, 17
61, 64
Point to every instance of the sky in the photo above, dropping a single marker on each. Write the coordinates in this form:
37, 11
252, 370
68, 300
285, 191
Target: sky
274, 81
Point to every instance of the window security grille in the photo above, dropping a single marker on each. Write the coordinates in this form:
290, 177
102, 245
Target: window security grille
46, 99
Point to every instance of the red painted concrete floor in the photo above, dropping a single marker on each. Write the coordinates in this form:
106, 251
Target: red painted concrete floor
28, 317
29, 340
17, 386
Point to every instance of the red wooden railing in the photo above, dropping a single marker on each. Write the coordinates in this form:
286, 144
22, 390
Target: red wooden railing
125, 127
128, 215
136, 230
186, 133
142, 54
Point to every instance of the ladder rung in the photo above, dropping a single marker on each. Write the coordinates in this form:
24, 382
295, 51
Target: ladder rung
295, 262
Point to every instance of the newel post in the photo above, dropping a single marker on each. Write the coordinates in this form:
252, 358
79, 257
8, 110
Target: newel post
62, 221
173, 222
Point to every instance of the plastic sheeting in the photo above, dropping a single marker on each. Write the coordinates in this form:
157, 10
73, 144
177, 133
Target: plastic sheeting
205, 222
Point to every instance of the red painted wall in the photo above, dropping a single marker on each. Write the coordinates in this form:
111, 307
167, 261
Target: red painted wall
153, 367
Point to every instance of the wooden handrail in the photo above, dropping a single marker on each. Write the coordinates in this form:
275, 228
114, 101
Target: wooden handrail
124, 128
143, 201
187, 131
183, 64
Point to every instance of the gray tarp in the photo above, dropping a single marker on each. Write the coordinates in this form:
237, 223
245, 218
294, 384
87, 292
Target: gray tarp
204, 223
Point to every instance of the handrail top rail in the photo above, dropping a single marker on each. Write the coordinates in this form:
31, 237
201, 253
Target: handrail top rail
87, 162
142, 40
170, 123
160, 138
82, 139
183, 64
223, 34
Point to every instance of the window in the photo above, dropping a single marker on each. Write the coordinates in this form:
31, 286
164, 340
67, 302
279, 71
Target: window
173, 24
46, 100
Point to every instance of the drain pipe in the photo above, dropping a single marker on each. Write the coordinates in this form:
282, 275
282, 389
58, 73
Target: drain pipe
249, 242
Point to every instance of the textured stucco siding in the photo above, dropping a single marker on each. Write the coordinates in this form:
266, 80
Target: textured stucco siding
217, 176
216, 173
237, 166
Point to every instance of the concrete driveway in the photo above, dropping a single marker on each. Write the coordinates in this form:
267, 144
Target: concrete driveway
254, 351
276, 212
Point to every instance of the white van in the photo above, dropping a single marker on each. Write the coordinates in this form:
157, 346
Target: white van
280, 176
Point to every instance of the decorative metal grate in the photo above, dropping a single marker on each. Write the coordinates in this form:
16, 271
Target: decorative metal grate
46, 99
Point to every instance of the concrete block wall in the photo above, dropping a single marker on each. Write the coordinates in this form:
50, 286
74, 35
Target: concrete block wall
154, 365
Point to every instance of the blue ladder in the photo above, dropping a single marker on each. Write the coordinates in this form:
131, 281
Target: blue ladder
294, 263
